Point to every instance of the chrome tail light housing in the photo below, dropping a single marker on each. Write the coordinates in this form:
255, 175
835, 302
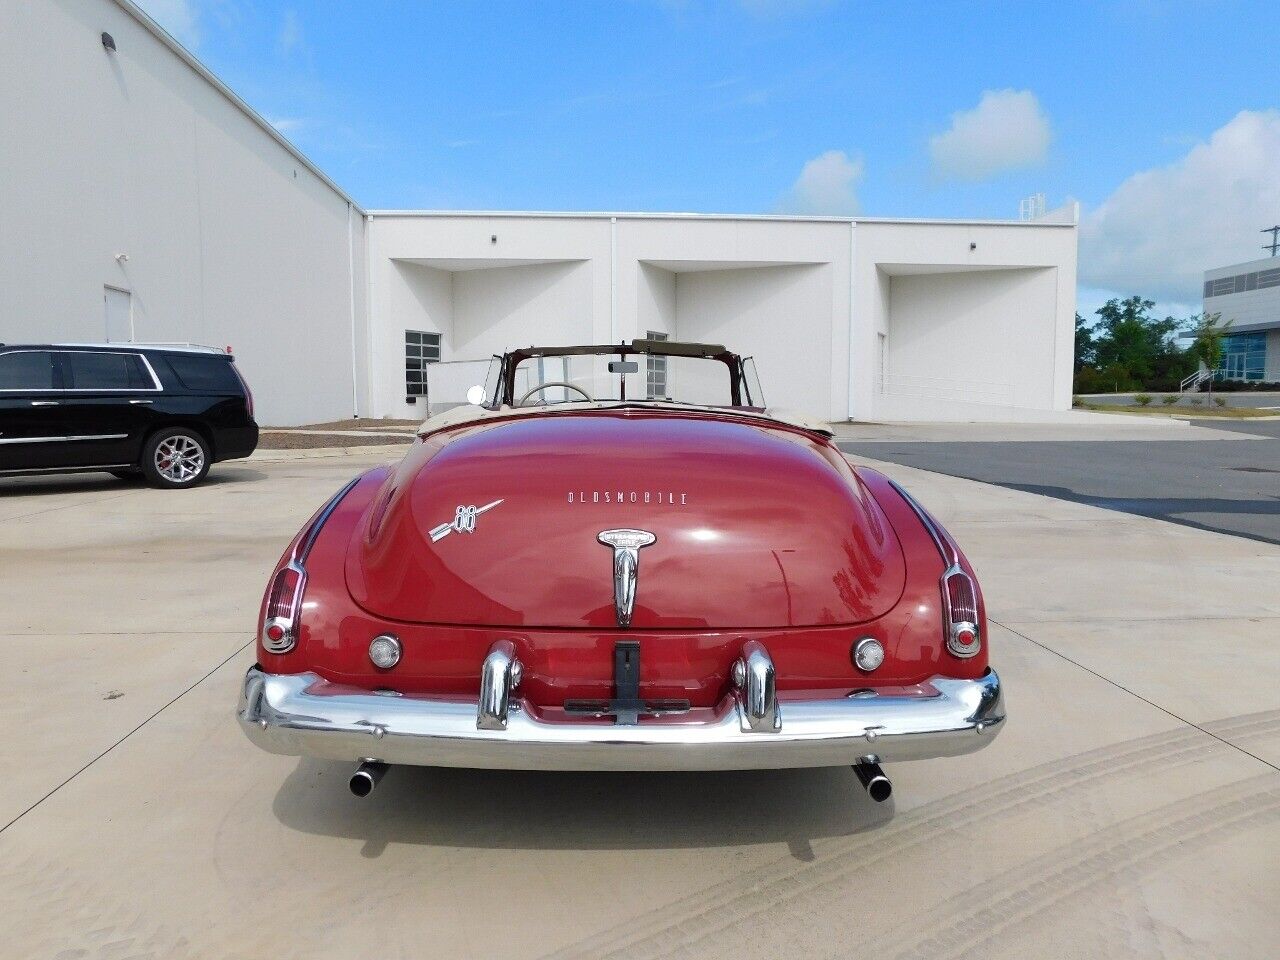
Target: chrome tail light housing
960, 613
282, 609
284, 602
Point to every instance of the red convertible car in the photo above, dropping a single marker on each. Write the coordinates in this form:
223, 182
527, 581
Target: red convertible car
620, 559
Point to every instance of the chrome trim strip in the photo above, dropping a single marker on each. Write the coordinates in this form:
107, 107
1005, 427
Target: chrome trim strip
303, 549
940, 539
85, 436
302, 714
97, 468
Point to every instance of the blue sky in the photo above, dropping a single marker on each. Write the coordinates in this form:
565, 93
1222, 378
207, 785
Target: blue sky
1159, 117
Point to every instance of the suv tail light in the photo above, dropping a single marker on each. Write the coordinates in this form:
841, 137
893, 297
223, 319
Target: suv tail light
960, 608
248, 394
284, 603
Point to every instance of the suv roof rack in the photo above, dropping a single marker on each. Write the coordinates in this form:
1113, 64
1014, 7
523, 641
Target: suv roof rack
156, 344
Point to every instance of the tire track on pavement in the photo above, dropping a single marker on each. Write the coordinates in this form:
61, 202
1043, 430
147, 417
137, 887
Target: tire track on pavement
679, 929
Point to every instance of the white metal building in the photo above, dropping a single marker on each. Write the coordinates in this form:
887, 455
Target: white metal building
1247, 295
146, 201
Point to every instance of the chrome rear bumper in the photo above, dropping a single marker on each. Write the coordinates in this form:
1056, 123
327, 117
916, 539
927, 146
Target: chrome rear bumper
302, 714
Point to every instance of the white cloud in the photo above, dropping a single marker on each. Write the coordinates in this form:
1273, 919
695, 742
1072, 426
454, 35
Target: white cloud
827, 185
290, 33
1007, 130
1162, 228
178, 17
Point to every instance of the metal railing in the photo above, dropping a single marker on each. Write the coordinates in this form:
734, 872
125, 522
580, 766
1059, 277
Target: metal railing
1193, 381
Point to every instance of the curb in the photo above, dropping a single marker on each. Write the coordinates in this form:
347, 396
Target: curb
322, 453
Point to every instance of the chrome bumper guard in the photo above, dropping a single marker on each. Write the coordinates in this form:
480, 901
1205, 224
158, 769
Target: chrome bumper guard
303, 714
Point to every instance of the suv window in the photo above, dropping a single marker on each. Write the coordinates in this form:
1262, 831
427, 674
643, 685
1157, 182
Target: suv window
212, 374
26, 370
105, 371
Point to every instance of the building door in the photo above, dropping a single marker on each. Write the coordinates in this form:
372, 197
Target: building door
118, 305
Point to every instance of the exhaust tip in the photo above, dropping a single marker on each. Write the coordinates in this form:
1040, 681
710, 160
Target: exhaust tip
873, 780
880, 789
366, 777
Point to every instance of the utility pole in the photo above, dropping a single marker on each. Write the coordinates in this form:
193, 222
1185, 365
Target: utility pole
1274, 245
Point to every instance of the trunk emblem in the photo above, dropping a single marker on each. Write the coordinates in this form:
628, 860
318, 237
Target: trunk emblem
464, 521
626, 567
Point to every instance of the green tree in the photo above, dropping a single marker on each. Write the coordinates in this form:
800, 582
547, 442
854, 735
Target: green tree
1086, 351
1207, 347
1131, 338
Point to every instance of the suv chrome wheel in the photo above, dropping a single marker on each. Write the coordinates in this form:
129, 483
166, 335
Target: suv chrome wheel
175, 458
179, 459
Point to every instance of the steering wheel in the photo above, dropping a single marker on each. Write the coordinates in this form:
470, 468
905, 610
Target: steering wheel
553, 383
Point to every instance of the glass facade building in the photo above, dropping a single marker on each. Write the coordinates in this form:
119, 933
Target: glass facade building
1244, 356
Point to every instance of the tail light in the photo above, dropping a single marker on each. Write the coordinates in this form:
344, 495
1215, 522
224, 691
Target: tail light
960, 607
248, 394
284, 603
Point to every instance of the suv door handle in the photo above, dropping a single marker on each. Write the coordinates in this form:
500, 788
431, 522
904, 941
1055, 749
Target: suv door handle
141, 402
44, 403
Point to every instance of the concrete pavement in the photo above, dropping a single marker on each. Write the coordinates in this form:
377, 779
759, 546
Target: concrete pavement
1130, 809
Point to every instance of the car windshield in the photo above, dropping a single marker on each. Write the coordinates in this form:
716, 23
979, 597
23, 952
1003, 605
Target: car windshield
574, 378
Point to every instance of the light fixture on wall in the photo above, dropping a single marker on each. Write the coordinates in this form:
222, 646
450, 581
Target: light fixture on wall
493, 238
972, 246
122, 258
108, 42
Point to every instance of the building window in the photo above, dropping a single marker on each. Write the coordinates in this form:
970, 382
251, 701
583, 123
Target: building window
420, 348
1242, 282
655, 370
1244, 356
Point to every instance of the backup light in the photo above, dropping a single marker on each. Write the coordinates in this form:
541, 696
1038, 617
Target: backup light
868, 654
384, 651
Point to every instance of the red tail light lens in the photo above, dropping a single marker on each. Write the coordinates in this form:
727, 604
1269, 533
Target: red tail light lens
960, 603
248, 394
284, 603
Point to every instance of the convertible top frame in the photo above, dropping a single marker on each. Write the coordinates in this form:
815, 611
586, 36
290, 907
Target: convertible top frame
653, 348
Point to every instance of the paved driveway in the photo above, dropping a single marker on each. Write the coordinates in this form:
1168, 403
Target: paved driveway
1229, 485
1130, 809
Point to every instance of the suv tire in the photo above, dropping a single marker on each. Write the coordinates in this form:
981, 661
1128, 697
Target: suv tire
175, 458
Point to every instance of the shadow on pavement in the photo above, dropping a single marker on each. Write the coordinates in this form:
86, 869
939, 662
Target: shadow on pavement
579, 811
1170, 509
96, 482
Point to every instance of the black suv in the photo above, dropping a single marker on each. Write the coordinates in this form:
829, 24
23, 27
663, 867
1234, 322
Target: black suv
164, 412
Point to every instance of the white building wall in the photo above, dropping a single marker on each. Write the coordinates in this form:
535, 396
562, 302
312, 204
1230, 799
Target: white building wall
847, 320
940, 290
231, 238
